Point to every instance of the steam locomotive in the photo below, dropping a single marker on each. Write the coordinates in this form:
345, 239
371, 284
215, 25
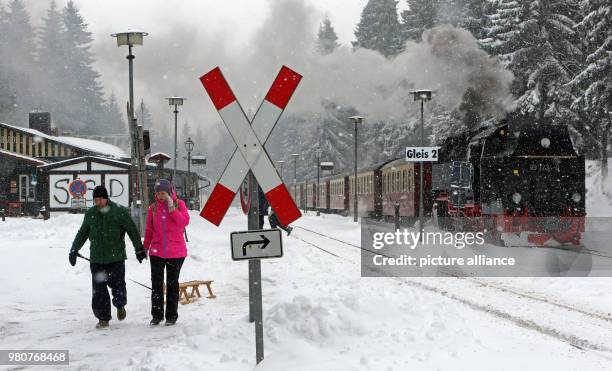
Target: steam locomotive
520, 179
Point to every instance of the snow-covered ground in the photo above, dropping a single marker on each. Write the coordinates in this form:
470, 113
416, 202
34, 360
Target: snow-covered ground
318, 311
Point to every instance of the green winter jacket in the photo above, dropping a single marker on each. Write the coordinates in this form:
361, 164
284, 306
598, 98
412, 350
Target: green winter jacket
106, 233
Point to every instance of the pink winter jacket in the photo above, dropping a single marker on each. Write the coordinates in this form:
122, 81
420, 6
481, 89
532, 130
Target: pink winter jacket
164, 236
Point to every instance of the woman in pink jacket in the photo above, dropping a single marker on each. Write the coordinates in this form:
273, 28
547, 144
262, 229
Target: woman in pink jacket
165, 243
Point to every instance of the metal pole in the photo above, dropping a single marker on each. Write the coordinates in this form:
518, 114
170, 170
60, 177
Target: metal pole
175, 140
255, 299
136, 155
355, 180
421, 177
188, 175
318, 183
295, 180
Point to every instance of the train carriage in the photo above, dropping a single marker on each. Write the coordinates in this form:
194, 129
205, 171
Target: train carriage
338, 194
400, 185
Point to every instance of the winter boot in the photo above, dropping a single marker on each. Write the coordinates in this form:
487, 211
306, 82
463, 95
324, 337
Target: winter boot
121, 313
170, 322
155, 322
102, 324
289, 229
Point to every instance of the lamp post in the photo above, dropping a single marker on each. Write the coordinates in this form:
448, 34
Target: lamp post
356, 120
421, 95
189, 148
175, 101
295, 158
281, 163
132, 38
318, 154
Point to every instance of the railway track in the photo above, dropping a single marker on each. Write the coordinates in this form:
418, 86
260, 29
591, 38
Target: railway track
579, 327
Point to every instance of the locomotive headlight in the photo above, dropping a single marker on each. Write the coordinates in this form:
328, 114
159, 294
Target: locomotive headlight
516, 197
576, 197
545, 142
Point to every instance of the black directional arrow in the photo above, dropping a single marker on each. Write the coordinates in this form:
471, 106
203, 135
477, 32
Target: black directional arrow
265, 242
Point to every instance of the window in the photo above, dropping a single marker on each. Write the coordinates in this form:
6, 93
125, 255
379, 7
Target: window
26, 189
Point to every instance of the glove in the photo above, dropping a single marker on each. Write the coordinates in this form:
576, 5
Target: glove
170, 202
72, 257
141, 255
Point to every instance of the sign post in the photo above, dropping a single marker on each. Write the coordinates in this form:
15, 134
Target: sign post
422, 155
251, 157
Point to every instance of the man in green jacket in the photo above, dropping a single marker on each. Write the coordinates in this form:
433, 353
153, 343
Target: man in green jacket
105, 225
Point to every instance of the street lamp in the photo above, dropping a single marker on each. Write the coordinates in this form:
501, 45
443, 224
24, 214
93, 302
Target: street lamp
175, 101
295, 158
132, 38
189, 148
423, 96
356, 120
281, 163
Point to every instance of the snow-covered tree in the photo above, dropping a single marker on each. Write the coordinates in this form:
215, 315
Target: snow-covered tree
85, 99
51, 63
327, 39
421, 15
593, 85
18, 59
113, 122
7, 95
379, 28
536, 40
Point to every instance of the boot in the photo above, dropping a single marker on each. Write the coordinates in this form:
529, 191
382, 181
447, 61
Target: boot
170, 322
155, 322
102, 324
121, 313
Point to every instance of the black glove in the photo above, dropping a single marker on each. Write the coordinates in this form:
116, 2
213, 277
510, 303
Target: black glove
141, 255
72, 258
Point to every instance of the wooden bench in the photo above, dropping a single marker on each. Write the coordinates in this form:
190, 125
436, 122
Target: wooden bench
186, 298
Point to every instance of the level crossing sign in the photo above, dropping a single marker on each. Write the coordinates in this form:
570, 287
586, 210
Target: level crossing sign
250, 137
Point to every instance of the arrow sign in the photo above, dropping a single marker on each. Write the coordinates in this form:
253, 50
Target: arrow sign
256, 244
263, 242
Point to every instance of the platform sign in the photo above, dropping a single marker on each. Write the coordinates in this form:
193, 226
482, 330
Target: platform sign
256, 244
422, 154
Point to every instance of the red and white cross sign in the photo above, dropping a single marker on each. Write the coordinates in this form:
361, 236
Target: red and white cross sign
250, 138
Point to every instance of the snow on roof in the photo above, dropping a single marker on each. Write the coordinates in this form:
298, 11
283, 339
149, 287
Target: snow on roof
156, 154
85, 144
76, 159
94, 145
24, 157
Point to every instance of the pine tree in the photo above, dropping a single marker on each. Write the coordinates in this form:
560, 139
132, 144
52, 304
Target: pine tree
7, 96
51, 70
420, 15
18, 59
327, 39
593, 85
113, 122
379, 28
85, 92
536, 41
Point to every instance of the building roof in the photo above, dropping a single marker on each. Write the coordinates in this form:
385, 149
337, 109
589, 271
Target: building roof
80, 143
19, 156
85, 158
